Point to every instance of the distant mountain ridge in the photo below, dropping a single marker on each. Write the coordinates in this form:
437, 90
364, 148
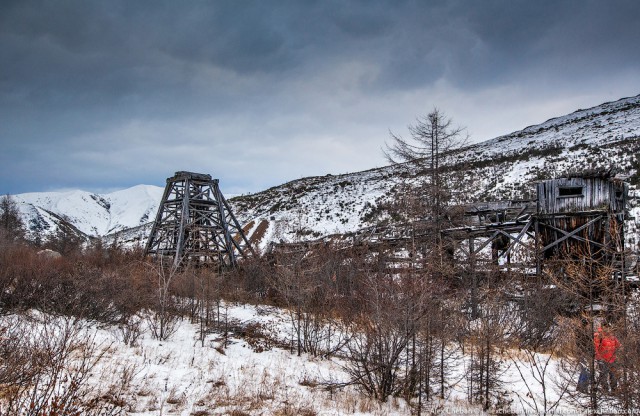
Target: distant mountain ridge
93, 215
506, 167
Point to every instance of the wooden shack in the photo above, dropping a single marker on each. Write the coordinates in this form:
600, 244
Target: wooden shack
582, 215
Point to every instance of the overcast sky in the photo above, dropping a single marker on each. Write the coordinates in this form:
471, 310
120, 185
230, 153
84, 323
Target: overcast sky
104, 95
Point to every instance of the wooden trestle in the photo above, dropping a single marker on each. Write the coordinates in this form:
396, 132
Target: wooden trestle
583, 214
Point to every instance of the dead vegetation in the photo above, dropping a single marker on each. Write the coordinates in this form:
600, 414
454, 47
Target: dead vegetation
399, 320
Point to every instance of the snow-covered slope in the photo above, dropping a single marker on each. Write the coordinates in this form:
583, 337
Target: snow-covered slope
94, 215
507, 167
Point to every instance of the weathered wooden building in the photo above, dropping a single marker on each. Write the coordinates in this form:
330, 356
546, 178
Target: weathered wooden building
582, 215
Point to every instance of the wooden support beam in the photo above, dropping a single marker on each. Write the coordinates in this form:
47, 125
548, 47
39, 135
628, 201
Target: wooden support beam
571, 234
518, 238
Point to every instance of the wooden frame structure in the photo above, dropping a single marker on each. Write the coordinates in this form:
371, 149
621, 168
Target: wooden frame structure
585, 211
195, 224
580, 214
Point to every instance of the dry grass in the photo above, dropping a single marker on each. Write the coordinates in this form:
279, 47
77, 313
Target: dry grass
307, 381
248, 226
290, 410
273, 385
174, 399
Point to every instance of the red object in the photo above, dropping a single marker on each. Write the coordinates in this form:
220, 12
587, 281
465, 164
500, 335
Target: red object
606, 346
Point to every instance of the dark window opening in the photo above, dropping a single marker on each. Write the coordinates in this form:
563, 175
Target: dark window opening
570, 191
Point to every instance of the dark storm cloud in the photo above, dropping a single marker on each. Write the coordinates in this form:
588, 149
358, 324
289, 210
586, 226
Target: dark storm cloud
111, 94
473, 44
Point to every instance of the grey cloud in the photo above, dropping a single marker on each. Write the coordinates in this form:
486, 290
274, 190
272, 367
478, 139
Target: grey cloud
195, 77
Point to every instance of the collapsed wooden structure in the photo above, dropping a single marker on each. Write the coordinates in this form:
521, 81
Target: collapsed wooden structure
195, 225
580, 214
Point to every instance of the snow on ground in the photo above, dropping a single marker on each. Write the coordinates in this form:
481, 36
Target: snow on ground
185, 376
180, 376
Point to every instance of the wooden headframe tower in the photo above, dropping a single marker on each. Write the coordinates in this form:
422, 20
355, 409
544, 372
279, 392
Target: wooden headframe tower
195, 225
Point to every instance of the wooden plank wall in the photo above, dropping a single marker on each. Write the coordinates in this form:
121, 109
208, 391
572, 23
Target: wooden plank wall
598, 194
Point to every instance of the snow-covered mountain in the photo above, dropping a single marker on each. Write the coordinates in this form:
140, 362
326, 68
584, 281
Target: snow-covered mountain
507, 167
91, 215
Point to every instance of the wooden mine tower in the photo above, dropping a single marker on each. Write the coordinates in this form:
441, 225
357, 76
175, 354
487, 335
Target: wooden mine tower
195, 224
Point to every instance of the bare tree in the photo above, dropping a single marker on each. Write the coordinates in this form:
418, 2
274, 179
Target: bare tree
487, 336
45, 365
431, 138
163, 320
377, 349
306, 283
386, 350
535, 365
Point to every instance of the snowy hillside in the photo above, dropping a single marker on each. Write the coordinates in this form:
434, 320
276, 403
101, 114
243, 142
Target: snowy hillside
507, 167
91, 214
